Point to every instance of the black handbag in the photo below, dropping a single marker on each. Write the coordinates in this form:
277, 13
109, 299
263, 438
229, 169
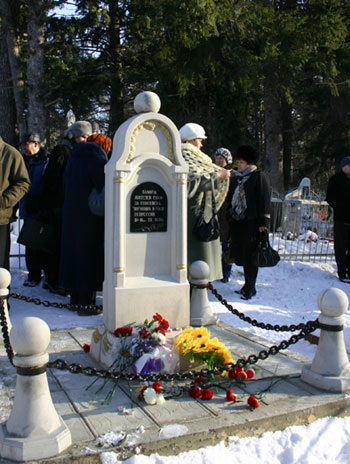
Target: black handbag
39, 236
266, 256
207, 231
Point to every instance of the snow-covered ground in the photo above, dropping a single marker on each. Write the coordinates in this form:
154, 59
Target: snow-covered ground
286, 294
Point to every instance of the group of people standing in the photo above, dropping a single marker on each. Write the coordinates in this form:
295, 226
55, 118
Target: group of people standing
242, 198
55, 191
55, 188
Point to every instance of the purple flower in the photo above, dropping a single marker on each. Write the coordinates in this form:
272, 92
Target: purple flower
152, 365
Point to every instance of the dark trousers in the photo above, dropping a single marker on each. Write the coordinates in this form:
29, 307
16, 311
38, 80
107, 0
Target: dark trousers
5, 246
342, 248
35, 260
38, 261
226, 268
250, 275
78, 297
52, 268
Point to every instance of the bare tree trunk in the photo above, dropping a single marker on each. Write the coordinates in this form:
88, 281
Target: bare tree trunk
273, 138
116, 69
35, 65
10, 11
7, 103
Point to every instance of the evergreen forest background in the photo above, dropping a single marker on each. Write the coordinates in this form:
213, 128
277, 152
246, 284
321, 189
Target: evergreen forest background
273, 73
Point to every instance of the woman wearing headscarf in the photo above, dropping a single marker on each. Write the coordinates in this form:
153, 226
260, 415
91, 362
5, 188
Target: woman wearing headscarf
249, 215
203, 175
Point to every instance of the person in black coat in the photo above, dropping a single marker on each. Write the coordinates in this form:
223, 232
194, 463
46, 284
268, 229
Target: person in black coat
35, 158
338, 197
82, 256
52, 197
248, 215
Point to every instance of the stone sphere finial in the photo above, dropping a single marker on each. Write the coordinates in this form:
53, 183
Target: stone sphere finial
5, 278
147, 102
333, 302
30, 336
199, 270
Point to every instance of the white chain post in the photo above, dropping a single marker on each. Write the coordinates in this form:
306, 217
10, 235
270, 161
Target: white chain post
330, 368
34, 430
201, 313
5, 280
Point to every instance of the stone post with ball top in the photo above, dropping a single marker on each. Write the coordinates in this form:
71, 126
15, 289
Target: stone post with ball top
201, 313
330, 368
33, 430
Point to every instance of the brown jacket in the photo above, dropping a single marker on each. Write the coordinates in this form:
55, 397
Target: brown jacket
14, 180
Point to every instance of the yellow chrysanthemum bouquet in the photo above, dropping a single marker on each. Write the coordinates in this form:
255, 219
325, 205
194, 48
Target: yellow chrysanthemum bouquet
196, 345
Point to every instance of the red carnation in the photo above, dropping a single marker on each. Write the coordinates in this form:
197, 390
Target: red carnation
86, 347
144, 333
197, 380
160, 329
250, 373
157, 387
195, 392
253, 402
123, 332
207, 394
235, 373
158, 317
165, 324
230, 395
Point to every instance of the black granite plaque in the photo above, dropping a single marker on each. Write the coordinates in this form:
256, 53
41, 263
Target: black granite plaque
148, 208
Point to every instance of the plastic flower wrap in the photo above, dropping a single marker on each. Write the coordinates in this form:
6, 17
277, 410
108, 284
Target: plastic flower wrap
196, 344
140, 349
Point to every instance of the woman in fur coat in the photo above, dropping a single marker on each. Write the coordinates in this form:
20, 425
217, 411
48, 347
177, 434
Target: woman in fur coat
203, 173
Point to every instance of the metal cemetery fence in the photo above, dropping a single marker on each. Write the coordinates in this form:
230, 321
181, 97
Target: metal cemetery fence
302, 229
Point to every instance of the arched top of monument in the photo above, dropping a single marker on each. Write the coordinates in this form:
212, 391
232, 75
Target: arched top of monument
147, 102
147, 134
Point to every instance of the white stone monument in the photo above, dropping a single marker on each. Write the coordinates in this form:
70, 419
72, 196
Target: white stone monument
330, 368
145, 226
33, 430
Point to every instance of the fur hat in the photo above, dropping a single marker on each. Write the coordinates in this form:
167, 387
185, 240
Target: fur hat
225, 153
103, 140
33, 137
247, 153
78, 129
345, 161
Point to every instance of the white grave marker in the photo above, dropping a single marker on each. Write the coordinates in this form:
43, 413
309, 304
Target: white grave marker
145, 226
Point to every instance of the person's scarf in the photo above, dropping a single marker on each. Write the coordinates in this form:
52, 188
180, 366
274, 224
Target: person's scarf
239, 201
201, 165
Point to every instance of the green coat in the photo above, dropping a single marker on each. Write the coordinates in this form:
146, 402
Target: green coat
201, 171
14, 180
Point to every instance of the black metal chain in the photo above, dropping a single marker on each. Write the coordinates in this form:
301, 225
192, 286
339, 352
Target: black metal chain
5, 329
88, 309
261, 325
218, 370
75, 368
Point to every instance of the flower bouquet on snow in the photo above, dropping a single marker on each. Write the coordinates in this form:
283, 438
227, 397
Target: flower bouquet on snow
144, 349
196, 345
